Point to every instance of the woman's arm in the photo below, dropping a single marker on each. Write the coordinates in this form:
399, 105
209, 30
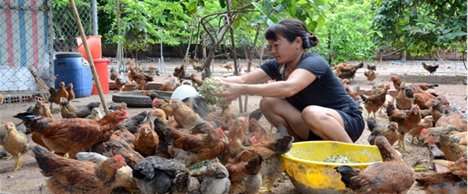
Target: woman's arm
254, 77
297, 81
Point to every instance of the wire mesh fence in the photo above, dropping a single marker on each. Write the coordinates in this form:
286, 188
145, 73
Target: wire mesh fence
65, 28
30, 33
25, 42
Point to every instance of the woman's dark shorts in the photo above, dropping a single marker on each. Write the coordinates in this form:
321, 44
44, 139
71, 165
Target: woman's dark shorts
353, 123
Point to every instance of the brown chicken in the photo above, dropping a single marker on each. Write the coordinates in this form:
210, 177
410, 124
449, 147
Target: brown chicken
113, 74
192, 148
244, 175
115, 145
141, 79
119, 79
390, 176
347, 71
125, 135
424, 101
72, 135
402, 101
67, 110
406, 121
1, 98
441, 183
238, 131
451, 118
397, 83
55, 94
353, 91
371, 75
374, 102
184, 115
153, 71
198, 68
169, 84
441, 135
179, 71
389, 131
426, 122
371, 67
196, 80
74, 176
438, 110
71, 93
15, 143
146, 141
42, 109
272, 166
164, 105
458, 167
196, 148
123, 176
228, 66
430, 68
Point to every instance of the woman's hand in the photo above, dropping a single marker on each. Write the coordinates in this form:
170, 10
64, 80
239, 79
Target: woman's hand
232, 91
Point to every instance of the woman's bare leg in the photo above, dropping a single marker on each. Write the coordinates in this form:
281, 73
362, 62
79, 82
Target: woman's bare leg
278, 110
325, 123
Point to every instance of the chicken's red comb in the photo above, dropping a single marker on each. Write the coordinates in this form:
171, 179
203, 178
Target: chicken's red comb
124, 111
221, 131
120, 158
423, 133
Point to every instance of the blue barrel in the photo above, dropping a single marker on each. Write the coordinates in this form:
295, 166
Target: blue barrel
71, 67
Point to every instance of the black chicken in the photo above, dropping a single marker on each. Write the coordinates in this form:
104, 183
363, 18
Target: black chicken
430, 68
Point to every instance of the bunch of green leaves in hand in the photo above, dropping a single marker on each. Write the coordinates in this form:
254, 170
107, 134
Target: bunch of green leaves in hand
209, 87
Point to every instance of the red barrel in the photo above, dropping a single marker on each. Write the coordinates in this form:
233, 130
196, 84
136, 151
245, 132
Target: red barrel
103, 73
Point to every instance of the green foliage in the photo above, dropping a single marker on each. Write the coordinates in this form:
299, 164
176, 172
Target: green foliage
421, 27
346, 34
209, 87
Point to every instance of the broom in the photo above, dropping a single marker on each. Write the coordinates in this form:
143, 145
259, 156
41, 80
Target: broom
41, 84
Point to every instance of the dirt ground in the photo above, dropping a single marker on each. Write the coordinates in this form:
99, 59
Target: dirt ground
449, 76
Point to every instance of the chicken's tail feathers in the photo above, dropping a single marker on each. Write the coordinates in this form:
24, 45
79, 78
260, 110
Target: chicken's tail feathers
281, 131
364, 98
42, 156
371, 124
346, 174
30, 119
282, 145
94, 105
26, 116
254, 164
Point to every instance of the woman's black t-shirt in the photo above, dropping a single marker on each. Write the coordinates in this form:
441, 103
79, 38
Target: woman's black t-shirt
326, 90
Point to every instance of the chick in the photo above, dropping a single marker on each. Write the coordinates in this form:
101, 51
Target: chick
213, 177
95, 114
16, 144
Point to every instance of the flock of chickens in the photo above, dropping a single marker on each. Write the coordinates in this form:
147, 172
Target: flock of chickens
167, 149
417, 109
177, 148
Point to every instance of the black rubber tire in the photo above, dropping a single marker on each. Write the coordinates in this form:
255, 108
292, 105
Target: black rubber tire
136, 99
68, 55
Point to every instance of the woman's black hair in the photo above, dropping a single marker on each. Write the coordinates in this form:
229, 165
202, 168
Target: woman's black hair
290, 29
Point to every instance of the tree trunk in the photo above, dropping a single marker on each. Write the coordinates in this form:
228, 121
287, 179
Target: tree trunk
403, 55
330, 57
186, 57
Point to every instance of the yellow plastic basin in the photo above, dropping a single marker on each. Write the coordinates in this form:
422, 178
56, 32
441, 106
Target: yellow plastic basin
305, 167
